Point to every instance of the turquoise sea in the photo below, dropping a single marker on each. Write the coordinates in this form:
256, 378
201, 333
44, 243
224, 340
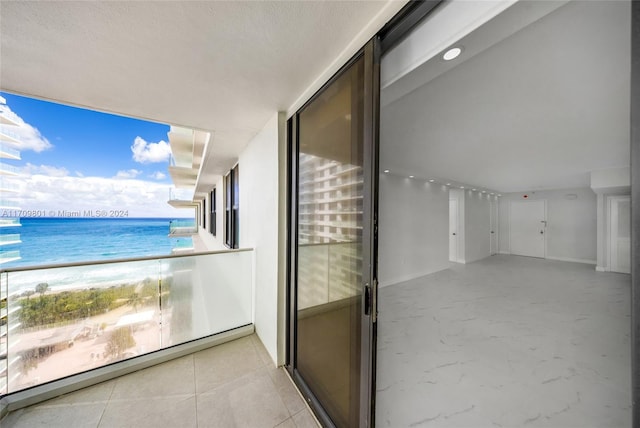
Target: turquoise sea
66, 240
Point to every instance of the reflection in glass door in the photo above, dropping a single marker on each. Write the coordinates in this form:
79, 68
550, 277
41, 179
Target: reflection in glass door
331, 349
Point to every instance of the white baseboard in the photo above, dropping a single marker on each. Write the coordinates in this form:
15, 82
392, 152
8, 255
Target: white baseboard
602, 269
568, 259
508, 253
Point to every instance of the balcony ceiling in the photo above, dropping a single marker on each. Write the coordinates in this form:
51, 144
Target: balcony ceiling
223, 67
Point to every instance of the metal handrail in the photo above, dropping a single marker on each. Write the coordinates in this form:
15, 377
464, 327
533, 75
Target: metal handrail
123, 260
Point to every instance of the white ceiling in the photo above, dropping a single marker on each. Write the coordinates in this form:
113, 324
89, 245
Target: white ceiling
219, 66
538, 109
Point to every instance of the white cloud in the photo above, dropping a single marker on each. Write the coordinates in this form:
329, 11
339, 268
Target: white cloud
51, 171
158, 175
139, 198
29, 136
130, 173
145, 152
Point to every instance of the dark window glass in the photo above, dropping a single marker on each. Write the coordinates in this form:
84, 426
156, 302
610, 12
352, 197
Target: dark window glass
232, 208
212, 226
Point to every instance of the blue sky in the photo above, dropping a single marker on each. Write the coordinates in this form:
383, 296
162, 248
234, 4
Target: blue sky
78, 159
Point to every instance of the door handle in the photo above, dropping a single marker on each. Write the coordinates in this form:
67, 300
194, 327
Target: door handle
454, 234
542, 232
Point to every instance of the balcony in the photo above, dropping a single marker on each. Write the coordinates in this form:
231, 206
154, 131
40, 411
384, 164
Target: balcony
6, 169
9, 153
63, 320
181, 198
8, 186
10, 222
182, 228
11, 239
9, 256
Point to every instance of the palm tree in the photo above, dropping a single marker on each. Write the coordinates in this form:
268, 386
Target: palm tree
42, 288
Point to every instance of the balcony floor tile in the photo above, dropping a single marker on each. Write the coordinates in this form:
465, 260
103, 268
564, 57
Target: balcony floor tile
230, 385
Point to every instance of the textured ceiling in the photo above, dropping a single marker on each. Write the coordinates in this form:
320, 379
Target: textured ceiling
539, 109
219, 66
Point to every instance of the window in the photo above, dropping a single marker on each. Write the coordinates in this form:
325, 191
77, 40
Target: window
231, 208
203, 218
212, 219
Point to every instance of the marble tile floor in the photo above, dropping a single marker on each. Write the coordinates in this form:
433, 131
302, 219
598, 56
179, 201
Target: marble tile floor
230, 385
506, 342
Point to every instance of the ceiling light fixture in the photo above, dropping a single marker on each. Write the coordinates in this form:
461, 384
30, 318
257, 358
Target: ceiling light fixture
386, 171
474, 189
484, 191
411, 176
431, 181
452, 53
448, 184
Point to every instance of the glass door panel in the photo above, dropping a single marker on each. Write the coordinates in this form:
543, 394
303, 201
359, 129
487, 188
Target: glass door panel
329, 245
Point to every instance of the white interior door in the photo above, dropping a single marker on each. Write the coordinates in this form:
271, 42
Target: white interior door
620, 234
493, 228
527, 225
453, 230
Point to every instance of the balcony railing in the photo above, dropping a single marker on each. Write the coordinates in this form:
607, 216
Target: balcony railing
182, 227
13, 238
9, 256
61, 320
9, 169
10, 222
9, 153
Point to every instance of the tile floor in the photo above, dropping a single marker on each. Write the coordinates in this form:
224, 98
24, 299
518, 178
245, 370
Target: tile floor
506, 342
230, 385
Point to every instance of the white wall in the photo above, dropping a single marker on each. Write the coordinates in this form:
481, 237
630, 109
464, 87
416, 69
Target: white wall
571, 223
413, 229
477, 227
260, 225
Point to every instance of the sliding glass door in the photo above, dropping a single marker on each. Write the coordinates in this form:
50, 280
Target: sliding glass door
331, 288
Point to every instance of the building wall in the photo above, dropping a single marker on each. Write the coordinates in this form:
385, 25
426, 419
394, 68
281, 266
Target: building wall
259, 227
413, 229
571, 223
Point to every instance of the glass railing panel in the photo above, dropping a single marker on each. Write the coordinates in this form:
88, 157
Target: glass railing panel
205, 294
9, 169
13, 238
63, 320
67, 320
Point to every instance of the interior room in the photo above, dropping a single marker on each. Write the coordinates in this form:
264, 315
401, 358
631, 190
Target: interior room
504, 224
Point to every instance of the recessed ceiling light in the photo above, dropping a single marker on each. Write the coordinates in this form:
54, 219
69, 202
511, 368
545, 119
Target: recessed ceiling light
411, 176
474, 189
448, 184
431, 181
452, 53
484, 191
386, 170
462, 187
499, 194
491, 193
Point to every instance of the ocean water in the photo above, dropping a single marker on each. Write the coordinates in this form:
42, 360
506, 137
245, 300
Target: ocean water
65, 240
48, 241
